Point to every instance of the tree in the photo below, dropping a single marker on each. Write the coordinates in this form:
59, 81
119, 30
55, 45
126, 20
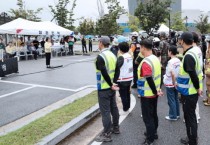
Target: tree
61, 14
107, 25
152, 13
177, 22
202, 24
22, 12
87, 26
133, 23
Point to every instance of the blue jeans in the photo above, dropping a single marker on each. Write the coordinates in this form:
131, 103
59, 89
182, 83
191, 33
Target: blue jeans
172, 95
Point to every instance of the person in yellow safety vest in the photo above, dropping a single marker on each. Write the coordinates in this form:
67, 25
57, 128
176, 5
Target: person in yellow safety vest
124, 75
189, 84
105, 70
148, 84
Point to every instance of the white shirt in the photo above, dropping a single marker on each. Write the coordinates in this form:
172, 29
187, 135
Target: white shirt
126, 71
172, 66
200, 55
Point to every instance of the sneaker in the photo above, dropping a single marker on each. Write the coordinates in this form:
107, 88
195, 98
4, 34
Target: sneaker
184, 140
104, 137
116, 130
155, 137
205, 100
207, 104
168, 118
134, 86
147, 142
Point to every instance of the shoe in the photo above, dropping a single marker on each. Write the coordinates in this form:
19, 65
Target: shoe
168, 118
184, 140
104, 137
207, 104
205, 100
155, 137
147, 142
116, 130
134, 86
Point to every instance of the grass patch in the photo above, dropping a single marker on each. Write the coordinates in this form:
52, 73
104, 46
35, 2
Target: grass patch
35, 131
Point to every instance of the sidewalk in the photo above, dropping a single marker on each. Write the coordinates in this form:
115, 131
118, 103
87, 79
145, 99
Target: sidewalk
170, 132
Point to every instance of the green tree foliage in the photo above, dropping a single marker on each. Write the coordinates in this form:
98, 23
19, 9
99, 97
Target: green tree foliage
107, 24
177, 22
152, 13
133, 23
202, 24
24, 13
62, 14
87, 26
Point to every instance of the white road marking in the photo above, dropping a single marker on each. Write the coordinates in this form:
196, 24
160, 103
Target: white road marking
50, 87
5, 95
122, 117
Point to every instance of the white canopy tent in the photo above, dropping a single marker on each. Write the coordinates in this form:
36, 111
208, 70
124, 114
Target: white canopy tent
163, 28
25, 27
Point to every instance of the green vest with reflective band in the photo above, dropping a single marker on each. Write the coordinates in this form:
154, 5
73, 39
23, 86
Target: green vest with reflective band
143, 87
110, 63
185, 85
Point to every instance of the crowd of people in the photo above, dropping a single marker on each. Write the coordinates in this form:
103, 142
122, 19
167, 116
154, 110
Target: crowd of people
177, 65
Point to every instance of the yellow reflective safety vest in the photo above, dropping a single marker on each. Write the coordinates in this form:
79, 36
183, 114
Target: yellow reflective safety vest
143, 87
110, 63
185, 85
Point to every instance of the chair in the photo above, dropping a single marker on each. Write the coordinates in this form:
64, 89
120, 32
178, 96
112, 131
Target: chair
29, 55
41, 52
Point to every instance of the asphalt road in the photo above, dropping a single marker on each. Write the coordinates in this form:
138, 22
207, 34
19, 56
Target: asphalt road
170, 132
36, 87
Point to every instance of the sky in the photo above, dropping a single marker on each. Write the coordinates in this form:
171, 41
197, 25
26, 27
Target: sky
88, 8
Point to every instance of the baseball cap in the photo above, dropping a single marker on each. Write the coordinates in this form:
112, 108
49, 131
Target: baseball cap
105, 40
187, 36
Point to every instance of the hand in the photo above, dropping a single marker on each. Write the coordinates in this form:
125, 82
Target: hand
160, 93
115, 87
200, 92
176, 85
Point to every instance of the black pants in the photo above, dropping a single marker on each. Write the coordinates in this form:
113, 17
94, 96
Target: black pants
135, 74
189, 106
35, 53
84, 48
150, 118
90, 47
71, 50
108, 107
48, 57
125, 95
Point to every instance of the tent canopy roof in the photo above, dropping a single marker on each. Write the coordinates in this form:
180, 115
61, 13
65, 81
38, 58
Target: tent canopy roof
26, 27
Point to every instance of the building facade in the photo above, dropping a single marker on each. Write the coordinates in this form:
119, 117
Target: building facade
133, 4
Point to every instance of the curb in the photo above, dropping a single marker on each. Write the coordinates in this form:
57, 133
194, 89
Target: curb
122, 117
70, 127
44, 111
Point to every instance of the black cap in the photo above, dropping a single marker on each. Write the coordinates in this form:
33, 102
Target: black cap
187, 36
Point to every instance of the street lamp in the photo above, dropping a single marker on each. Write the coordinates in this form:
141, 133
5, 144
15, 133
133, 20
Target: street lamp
186, 18
169, 20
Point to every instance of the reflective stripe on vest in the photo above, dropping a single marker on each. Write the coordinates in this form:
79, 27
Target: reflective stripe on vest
110, 64
185, 85
143, 87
